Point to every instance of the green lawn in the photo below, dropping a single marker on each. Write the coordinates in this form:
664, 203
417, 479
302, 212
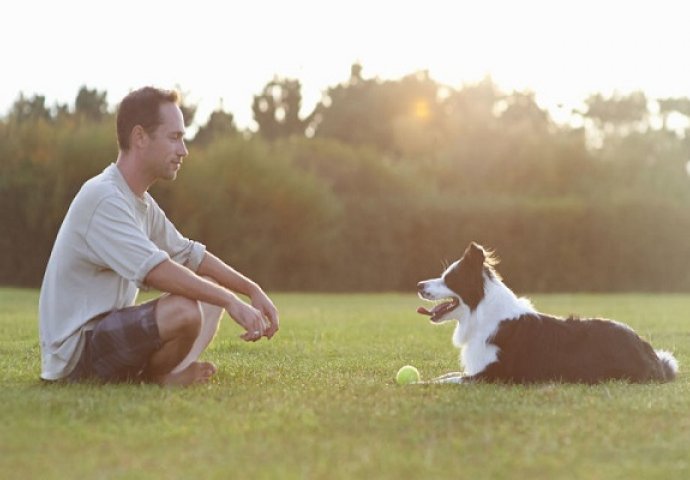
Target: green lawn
319, 401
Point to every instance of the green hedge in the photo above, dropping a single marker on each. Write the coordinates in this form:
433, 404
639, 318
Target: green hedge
315, 214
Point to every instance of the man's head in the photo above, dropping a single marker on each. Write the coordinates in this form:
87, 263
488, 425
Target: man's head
141, 107
150, 127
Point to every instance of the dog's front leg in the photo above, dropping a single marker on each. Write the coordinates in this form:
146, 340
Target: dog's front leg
452, 377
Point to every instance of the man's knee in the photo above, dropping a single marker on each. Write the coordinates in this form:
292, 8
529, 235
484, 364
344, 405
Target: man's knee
178, 316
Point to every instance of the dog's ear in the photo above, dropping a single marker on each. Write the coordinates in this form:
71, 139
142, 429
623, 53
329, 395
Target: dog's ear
475, 253
476, 246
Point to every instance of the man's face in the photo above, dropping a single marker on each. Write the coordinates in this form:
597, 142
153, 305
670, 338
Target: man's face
166, 149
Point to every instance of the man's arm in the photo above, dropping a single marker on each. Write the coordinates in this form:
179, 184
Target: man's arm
171, 277
212, 266
233, 280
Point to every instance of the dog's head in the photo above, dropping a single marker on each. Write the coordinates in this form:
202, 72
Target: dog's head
460, 285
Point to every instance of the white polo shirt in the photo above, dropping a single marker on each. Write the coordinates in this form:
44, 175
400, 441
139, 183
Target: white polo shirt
109, 241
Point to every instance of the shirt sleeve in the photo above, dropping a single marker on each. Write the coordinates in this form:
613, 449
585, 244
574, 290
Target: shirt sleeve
116, 241
164, 234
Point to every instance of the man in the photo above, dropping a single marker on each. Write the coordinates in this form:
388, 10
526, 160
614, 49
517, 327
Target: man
116, 239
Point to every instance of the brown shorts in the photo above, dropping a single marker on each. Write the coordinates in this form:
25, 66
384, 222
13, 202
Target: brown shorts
119, 347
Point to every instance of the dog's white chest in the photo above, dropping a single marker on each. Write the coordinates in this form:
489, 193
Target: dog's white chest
476, 356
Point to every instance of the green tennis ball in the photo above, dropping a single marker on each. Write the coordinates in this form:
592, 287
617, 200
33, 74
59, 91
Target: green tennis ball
406, 375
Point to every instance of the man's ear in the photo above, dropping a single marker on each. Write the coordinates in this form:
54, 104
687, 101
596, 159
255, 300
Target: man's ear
138, 137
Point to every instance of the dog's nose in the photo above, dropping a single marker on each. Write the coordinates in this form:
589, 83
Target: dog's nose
420, 286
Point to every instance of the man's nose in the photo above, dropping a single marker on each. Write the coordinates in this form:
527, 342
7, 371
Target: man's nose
183, 152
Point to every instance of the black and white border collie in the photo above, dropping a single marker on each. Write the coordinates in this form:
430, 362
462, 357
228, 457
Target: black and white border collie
502, 338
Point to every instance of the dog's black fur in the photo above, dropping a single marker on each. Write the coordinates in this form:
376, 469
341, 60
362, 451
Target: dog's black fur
542, 348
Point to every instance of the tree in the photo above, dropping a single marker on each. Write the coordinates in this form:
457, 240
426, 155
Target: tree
471, 110
394, 116
474, 100
522, 109
30, 109
276, 109
91, 104
618, 114
670, 106
220, 124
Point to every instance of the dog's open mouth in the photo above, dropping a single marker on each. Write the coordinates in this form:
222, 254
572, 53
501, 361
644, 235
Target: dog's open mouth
440, 309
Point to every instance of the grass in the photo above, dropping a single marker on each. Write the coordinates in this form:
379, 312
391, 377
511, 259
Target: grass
319, 401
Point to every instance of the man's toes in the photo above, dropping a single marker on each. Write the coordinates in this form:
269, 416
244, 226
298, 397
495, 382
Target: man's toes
208, 369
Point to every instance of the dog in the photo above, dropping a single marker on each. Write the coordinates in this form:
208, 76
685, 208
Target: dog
503, 339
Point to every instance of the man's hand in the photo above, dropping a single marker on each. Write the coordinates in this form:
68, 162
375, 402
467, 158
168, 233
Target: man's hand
267, 323
248, 318
270, 313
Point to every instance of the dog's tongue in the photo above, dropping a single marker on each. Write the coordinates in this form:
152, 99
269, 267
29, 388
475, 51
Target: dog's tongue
434, 310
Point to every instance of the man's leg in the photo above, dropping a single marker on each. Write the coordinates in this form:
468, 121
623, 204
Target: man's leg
179, 322
186, 327
210, 320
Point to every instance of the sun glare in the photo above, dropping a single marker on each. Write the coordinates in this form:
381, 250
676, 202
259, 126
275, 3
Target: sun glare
421, 109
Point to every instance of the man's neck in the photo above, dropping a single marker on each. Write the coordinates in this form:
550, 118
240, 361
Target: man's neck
136, 179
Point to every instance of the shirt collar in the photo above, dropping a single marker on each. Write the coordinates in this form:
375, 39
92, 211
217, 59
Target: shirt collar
120, 181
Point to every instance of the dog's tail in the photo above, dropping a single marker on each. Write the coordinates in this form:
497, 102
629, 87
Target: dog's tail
669, 364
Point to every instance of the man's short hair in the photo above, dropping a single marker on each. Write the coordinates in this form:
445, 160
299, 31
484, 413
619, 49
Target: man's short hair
141, 107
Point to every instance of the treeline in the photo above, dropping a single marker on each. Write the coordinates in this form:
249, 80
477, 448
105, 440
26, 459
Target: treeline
383, 182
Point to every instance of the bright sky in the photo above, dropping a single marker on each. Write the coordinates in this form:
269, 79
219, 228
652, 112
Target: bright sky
215, 49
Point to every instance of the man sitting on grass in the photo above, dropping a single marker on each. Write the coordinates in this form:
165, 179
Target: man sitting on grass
116, 239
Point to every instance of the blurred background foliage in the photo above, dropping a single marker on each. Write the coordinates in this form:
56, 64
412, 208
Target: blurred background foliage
383, 183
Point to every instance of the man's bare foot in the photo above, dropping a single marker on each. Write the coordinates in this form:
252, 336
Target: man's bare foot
197, 372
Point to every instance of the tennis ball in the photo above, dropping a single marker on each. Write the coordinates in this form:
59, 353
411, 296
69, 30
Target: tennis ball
406, 375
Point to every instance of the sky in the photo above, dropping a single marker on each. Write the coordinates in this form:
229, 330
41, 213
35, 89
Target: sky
225, 51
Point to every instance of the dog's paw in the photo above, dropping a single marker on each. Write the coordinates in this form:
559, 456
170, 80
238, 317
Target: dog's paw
453, 377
